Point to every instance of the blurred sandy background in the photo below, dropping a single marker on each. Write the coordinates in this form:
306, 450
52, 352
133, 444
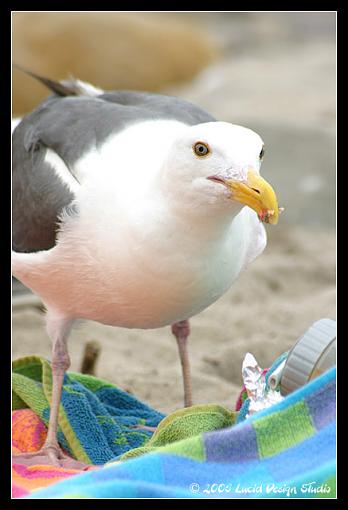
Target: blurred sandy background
273, 72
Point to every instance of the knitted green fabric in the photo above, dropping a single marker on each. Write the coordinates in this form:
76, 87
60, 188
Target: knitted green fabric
184, 424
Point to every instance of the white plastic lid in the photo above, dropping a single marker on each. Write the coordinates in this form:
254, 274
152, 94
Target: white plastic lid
305, 354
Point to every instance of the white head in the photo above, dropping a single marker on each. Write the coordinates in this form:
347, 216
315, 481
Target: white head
216, 165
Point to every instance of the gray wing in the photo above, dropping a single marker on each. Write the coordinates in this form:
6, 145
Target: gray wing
72, 126
38, 194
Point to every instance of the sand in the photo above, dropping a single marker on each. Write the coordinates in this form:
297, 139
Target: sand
286, 92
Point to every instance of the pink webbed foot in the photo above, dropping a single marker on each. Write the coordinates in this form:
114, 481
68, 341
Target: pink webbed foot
51, 455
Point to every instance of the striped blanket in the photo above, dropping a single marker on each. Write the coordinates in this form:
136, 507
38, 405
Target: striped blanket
285, 451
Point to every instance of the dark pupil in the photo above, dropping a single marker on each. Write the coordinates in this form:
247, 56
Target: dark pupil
201, 149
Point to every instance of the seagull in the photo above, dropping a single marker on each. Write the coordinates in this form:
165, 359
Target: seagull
132, 209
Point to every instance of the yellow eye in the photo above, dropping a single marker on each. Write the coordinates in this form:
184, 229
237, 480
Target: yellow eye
262, 153
201, 149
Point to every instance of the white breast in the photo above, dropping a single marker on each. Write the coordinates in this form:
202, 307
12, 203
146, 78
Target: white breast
137, 277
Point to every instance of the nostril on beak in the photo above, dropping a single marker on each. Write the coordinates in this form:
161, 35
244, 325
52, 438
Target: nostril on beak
257, 191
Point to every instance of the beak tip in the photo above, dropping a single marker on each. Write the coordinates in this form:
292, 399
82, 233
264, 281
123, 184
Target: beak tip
269, 216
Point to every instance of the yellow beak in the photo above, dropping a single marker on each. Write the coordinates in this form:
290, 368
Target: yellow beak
258, 194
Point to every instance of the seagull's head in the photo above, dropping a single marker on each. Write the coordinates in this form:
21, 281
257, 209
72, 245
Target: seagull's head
219, 163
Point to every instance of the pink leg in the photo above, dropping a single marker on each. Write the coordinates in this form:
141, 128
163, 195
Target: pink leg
60, 363
51, 453
181, 331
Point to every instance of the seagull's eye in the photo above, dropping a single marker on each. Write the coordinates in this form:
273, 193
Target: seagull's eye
262, 153
201, 149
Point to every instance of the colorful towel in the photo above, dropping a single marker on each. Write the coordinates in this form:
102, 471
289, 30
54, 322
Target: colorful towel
28, 435
287, 450
97, 421
111, 416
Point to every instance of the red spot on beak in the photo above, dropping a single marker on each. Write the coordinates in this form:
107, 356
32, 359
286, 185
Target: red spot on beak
262, 215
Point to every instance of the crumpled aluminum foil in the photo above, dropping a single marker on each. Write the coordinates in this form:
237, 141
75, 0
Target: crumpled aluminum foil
255, 385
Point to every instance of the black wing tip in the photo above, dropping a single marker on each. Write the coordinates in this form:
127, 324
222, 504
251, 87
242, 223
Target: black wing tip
55, 86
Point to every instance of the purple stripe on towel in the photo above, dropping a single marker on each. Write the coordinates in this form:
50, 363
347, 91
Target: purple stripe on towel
234, 444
